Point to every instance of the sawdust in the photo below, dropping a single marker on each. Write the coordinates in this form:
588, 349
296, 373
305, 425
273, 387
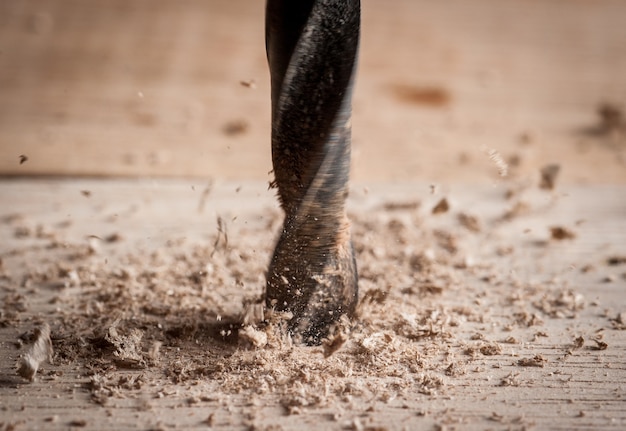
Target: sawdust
39, 352
610, 118
498, 161
535, 361
442, 207
560, 233
190, 313
549, 174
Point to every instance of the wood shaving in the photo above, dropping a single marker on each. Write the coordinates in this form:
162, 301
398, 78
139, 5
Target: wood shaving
334, 343
128, 352
222, 235
38, 353
518, 209
250, 83
253, 336
442, 207
235, 127
616, 260
497, 160
560, 304
600, 345
611, 118
401, 206
470, 222
560, 233
579, 342
535, 361
491, 349
549, 174
204, 196
511, 379
619, 322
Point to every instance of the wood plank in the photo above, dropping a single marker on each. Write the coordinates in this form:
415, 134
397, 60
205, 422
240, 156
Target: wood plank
117, 88
454, 321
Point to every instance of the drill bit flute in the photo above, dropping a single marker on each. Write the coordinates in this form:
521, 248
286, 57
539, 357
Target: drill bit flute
312, 49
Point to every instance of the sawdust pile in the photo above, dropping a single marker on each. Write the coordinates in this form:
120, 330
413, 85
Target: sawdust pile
162, 318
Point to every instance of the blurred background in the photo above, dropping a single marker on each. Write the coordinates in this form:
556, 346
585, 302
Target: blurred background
180, 88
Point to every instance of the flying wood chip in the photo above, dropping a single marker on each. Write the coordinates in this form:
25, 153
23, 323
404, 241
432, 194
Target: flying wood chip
40, 351
560, 233
441, 207
549, 173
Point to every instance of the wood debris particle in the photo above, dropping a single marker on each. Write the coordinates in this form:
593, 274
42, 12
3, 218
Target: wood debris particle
235, 127
431, 96
430, 289
78, 423
600, 345
446, 240
549, 174
253, 336
221, 233
560, 233
203, 197
333, 344
155, 351
469, 222
560, 304
611, 118
497, 160
579, 342
535, 361
616, 260
114, 237
210, 420
128, 349
496, 417
511, 379
40, 351
377, 296
23, 159
250, 83
454, 370
86, 193
518, 209
526, 138
401, 206
491, 349
253, 314
442, 207
611, 278
619, 322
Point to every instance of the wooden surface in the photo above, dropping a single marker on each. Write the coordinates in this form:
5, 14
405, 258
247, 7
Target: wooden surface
154, 88
447, 93
577, 386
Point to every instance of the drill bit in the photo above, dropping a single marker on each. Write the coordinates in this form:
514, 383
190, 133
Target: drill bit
312, 49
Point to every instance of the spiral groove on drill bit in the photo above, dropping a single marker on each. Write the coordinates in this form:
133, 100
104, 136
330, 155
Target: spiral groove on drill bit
312, 48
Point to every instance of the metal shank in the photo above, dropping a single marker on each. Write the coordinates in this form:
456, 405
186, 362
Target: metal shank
312, 50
